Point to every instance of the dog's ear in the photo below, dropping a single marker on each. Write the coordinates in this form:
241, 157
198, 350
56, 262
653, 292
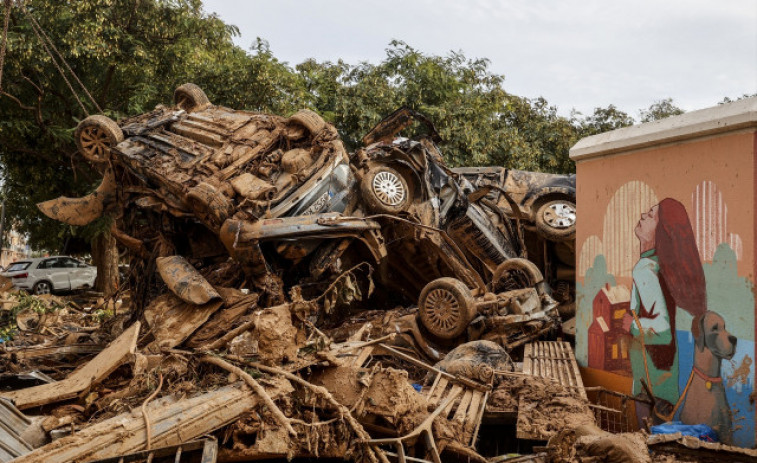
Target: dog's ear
697, 329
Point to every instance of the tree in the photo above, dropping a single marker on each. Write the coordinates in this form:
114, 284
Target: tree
660, 109
479, 121
130, 55
604, 120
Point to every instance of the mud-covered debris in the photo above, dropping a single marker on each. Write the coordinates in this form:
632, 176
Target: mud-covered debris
292, 296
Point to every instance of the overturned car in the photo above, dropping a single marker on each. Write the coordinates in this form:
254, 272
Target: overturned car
278, 206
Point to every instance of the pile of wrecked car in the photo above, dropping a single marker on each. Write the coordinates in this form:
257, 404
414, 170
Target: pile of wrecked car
287, 299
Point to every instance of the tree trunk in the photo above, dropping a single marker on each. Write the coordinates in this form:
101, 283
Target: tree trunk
105, 257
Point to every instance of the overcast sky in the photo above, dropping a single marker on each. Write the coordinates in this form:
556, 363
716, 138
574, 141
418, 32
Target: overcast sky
575, 53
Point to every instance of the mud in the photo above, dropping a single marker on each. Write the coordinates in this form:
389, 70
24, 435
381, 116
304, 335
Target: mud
290, 308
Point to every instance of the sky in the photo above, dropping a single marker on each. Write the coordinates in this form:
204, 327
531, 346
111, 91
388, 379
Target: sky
577, 54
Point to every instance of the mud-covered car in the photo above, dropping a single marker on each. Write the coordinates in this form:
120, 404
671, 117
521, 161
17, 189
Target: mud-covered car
276, 205
546, 200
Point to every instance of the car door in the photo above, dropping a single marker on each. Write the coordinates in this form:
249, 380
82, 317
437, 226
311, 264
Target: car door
62, 273
80, 274
53, 271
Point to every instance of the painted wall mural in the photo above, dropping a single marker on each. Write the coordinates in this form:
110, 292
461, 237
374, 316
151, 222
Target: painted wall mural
664, 306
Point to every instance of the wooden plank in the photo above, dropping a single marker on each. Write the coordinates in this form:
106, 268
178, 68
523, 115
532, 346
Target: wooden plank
527, 363
479, 418
576, 372
173, 422
93, 372
365, 352
471, 418
462, 409
554, 360
456, 389
438, 391
430, 391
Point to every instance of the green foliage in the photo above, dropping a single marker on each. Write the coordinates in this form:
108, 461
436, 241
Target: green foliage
22, 302
480, 123
660, 110
604, 120
132, 54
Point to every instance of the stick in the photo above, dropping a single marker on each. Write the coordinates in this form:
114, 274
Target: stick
324, 393
277, 413
226, 338
144, 410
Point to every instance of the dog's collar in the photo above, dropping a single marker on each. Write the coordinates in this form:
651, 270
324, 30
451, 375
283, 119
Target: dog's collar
708, 380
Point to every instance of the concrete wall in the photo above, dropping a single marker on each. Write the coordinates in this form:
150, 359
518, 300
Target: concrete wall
683, 190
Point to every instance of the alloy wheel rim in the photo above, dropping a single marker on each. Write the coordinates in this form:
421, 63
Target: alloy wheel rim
443, 310
95, 142
560, 215
389, 188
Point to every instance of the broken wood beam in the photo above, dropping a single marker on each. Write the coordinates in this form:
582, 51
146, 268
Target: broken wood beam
93, 372
173, 422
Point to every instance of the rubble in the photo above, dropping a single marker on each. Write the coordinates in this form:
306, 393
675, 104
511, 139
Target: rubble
287, 300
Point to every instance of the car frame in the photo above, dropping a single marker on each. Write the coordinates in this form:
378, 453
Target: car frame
438, 243
547, 201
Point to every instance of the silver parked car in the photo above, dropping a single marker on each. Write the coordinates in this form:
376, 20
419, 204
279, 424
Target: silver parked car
47, 274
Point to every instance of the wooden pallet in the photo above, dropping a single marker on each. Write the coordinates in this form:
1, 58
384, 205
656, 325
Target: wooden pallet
555, 360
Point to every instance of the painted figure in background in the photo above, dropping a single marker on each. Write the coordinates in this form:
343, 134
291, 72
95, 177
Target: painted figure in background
705, 400
668, 274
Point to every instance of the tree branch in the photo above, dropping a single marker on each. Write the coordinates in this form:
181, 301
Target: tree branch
18, 102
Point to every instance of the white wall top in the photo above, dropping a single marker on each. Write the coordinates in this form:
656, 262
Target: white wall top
728, 117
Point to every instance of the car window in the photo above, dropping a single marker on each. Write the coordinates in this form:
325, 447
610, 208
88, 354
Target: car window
68, 262
45, 264
59, 263
16, 266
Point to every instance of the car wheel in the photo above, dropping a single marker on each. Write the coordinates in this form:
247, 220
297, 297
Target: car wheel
190, 97
385, 190
556, 220
514, 274
446, 308
311, 120
42, 287
95, 136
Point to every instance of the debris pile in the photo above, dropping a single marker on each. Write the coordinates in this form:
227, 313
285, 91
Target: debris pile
288, 300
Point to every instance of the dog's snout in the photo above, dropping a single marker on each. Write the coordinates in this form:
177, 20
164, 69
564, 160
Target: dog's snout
732, 339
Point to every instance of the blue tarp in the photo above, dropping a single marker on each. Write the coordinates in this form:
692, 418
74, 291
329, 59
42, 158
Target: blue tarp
700, 431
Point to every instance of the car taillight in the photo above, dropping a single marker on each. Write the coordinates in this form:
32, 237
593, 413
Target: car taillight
21, 275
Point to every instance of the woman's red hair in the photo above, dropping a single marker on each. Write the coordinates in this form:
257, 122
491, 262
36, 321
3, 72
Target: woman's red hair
680, 267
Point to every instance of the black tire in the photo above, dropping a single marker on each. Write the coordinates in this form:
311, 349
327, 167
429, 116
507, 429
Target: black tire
556, 220
385, 190
42, 287
313, 122
514, 274
190, 97
210, 204
95, 136
446, 308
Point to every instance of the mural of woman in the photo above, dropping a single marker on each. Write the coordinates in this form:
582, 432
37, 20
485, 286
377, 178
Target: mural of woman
668, 274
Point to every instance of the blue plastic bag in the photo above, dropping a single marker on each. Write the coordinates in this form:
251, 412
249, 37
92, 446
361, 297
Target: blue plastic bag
700, 431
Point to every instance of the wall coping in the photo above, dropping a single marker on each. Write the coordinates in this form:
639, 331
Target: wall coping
738, 115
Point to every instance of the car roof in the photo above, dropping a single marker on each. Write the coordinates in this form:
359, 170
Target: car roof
39, 259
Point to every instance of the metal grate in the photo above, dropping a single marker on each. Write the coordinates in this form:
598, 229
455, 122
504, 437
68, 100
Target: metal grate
614, 411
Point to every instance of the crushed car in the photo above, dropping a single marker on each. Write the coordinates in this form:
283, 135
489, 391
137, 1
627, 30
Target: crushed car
277, 205
548, 201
